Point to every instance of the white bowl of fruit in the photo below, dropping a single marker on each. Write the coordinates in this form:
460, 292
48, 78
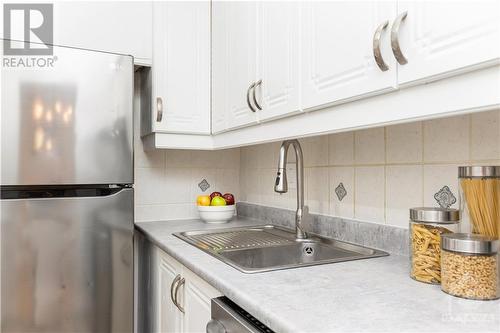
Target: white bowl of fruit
216, 207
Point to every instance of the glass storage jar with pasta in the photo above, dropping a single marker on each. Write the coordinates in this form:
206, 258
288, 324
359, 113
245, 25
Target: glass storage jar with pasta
469, 266
426, 226
480, 199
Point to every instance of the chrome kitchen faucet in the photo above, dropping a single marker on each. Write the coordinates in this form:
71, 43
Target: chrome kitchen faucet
281, 184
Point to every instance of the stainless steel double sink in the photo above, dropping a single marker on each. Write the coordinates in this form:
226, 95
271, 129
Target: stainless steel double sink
268, 248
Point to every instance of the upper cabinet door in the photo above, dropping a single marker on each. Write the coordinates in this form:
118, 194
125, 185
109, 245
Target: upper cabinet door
338, 60
181, 67
237, 51
278, 59
219, 67
119, 27
442, 37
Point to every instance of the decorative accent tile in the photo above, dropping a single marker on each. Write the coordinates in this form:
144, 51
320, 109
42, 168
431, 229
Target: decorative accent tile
445, 197
344, 175
203, 185
340, 191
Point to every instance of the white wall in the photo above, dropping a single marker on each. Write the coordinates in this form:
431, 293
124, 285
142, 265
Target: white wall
166, 181
385, 171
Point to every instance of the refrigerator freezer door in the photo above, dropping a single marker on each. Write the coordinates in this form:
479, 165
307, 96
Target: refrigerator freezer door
67, 264
70, 123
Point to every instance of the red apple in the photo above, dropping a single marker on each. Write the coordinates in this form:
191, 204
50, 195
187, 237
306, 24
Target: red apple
215, 194
229, 198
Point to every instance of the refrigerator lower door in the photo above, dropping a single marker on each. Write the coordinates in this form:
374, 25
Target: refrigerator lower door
67, 263
70, 123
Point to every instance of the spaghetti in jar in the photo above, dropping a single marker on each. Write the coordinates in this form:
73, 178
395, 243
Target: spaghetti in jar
480, 199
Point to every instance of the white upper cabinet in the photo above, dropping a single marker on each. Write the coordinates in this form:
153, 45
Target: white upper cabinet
255, 72
234, 68
181, 67
338, 60
440, 38
277, 91
119, 27
219, 67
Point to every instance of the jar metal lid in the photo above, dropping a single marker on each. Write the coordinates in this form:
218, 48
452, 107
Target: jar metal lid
469, 243
434, 215
479, 172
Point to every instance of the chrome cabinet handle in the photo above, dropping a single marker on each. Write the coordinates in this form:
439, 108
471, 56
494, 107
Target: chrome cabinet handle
248, 97
159, 109
396, 49
176, 279
376, 47
181, 283
254, 97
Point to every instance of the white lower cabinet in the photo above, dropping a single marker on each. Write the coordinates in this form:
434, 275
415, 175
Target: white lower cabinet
183, 298
168, 315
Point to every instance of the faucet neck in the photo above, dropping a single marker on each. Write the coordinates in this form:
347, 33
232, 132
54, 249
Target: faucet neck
300, 233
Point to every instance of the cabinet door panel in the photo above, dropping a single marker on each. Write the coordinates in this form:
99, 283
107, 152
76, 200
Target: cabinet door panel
219, 67
169, 317
197, 303
337, 51
442, 37
181, 66
278, 57
240, 58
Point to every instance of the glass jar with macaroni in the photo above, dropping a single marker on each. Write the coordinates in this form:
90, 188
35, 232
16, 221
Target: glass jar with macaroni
470, 267
426, 226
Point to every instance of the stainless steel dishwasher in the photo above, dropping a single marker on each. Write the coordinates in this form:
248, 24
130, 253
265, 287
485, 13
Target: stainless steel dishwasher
228, 317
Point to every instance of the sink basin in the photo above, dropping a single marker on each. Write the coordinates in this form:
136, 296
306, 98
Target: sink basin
268, 248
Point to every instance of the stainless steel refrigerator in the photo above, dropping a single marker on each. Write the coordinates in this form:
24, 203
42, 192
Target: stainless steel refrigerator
66, 194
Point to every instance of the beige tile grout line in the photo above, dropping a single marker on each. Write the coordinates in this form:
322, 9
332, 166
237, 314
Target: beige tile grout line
470, 138
385, 175
422, 129
354, 175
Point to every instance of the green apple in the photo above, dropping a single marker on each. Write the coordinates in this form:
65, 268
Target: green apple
218, 201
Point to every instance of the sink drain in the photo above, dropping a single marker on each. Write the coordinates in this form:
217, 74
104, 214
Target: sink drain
308, 250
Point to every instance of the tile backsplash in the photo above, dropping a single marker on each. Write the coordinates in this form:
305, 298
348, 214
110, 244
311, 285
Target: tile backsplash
372, 175
167, 182
376, 175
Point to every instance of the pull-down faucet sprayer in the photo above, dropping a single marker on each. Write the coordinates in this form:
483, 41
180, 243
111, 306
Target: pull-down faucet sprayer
281, 184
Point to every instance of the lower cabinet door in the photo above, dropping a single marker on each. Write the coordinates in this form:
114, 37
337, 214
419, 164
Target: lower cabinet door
197, 295
169, 318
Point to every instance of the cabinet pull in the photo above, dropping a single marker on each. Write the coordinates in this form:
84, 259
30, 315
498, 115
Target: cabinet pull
159, 109
181, 283
176, 279
258, 83
396, 49
376, 46
248, 97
